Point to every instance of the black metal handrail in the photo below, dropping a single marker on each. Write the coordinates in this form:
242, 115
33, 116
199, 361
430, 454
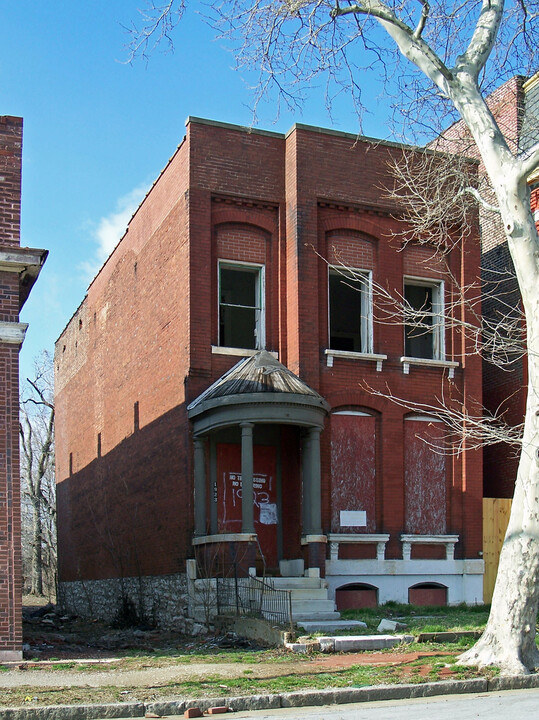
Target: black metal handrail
253, 597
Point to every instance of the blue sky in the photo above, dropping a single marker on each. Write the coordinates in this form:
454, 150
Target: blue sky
97, 131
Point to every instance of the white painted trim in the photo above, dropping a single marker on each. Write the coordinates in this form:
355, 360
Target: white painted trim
224, 537
260, 321
475, 566
438, 317
239, 352
427, 362
423, 418
13, 332
366, 318
11, 261
358, 413
448, 540
347, 355
380, 540
306, 539
358, 538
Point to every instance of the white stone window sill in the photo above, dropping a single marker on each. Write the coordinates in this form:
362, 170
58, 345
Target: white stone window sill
347, 355
380, 540
426, 362
239, 352
448, 540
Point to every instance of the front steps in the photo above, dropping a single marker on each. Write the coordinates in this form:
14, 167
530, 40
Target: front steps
310, 599
309, 595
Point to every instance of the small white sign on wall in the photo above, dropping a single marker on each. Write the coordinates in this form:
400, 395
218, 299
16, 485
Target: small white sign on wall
353, 518
268, 514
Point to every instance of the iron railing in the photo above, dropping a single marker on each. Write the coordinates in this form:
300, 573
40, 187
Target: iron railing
253, 597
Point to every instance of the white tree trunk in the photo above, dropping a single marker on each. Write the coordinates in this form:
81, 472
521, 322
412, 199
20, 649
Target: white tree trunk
509, 638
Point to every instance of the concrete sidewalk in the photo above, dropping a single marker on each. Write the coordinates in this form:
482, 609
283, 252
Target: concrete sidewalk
311, 698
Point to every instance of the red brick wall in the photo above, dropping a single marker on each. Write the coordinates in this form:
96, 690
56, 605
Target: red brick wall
10, 523
10, 172
144, 335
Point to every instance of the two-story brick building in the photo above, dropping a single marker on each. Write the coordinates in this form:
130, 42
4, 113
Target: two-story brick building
223, 389
19, 268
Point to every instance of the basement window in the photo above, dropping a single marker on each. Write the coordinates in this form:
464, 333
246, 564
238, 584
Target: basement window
423, 319
241, 306
350, 310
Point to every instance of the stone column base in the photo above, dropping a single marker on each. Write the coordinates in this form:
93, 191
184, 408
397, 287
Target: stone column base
315, 552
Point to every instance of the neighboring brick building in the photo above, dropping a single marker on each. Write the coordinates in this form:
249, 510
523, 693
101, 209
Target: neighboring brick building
166, 449
19, 268
515, 104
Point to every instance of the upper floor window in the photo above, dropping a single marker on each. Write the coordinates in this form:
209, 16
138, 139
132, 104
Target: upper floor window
423, 319
350, 310
241, 306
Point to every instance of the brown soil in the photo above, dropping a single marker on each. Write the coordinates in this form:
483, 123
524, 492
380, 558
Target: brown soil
50, 638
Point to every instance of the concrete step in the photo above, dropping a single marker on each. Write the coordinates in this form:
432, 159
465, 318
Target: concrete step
308, 593
291, 583
314, 604
316, 616
330, 626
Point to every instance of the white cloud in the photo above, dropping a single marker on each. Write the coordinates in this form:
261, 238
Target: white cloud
110, 229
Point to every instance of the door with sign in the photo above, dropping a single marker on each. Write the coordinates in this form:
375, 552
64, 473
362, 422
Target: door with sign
229, 495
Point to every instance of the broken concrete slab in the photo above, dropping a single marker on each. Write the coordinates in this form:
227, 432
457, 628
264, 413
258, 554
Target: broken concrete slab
390, 626
329, 626
352, 643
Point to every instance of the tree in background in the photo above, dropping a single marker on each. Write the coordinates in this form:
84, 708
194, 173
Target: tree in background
37, 479
447, 57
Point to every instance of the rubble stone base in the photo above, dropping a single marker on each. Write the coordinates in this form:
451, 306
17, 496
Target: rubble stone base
159, 600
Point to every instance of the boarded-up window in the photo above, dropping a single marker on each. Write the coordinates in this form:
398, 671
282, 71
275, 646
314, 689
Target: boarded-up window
424, 476
353, 472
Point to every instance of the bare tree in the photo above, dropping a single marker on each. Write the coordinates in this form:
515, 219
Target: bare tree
37, 479
456, 53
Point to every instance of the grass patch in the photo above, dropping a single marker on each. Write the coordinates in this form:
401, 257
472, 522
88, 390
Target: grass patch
423, 619
308, 676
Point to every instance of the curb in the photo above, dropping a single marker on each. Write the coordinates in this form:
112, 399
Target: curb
303, 698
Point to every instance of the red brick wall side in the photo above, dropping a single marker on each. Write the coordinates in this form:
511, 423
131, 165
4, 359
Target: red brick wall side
10, 520
10, 172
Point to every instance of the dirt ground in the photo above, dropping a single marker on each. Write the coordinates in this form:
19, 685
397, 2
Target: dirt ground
62, 650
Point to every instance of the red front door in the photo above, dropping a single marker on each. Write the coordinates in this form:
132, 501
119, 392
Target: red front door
229, 496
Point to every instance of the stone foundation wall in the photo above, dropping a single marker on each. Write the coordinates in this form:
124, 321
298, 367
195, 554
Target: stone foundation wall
160, 601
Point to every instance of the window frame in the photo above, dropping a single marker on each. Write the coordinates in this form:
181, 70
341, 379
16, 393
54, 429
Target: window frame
366, 316
258, 270
437, 313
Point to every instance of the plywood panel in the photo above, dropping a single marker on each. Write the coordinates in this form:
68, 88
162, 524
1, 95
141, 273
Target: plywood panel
496, 513
424, 477
353, 469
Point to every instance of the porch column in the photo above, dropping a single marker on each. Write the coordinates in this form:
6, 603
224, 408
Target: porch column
247, 496
312, 484
200, 485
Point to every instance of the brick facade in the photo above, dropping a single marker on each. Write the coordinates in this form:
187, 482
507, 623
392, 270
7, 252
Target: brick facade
145, 343
19, 268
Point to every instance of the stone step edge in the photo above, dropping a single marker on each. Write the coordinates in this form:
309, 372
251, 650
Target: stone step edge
348, 643
303, 698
